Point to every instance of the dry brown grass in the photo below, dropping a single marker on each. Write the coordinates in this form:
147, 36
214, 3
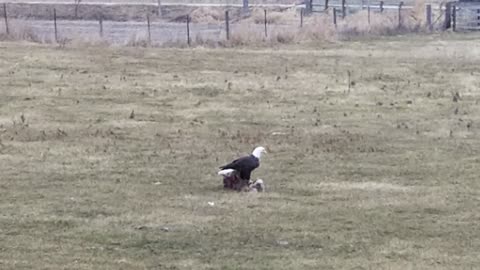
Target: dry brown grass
138, 40
378, 174
274, 16
419, 11
207, 15
20, 30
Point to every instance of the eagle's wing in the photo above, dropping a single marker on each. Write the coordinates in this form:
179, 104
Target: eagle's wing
244, 165
237, 164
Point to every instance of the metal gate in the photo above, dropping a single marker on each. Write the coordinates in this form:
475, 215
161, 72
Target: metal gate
468, 16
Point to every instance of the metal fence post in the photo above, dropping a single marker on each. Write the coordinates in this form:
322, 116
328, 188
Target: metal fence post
301, 16
188, 30
335, 17
227, 25
55, 24
148, 28
7, 30
381, 6
478, 17
454, 17
266, 32
344, 9
100, 23
400, 5
368, 11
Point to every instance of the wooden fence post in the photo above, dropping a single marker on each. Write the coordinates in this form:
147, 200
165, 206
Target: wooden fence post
344, 9
245, 6
100, 23
266, 32
148, 29
309, 6
227, 25
381, 6
159, 8
302, 10
55, 24
429, 17
188, 30
335, 17
6, 18
448, 16
400, 14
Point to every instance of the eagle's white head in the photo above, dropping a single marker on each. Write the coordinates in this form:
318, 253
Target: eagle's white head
258, 152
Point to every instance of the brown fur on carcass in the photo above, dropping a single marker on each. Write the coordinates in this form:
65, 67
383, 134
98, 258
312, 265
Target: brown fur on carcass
234, 182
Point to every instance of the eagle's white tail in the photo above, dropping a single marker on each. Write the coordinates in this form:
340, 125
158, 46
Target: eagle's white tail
226, 172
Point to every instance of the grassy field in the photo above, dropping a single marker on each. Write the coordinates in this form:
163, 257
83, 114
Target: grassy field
381, 174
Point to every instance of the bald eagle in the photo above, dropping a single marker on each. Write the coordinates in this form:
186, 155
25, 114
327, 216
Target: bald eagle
244, 165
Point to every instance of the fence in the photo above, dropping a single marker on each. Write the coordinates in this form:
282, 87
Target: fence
233, 26
467, 16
